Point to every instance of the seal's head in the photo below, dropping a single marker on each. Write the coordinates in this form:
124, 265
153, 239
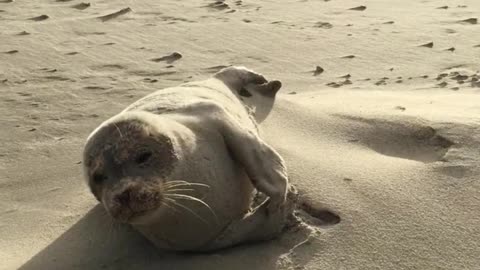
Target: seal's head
126, 162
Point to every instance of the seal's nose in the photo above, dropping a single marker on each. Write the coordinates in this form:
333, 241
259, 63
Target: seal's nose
125, 197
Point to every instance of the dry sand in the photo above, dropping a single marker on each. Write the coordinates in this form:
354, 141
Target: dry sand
387, 136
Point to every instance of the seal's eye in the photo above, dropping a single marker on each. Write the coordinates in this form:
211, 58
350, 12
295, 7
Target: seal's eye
98, 178
143, 157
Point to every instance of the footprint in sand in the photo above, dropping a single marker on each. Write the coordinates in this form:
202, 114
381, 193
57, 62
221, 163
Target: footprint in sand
452, 49
115, 14
321, 215
58, 78
382, 81
318, 70
441, 76
349, 56
71, 53
347, 81
218, 5
359, 8
147, 73
324, 25
6, 1
168, 58
442, 84
469, 21
23, 33
11, 52
149, 80
109, 67
39, 18
81, 6
96, 88
427, 45
442, 7
389, 22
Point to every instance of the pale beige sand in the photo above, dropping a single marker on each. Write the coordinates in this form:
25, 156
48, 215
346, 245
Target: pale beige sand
378, 152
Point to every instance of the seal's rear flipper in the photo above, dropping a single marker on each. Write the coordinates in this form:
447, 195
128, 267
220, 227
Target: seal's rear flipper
252, 88
268, 89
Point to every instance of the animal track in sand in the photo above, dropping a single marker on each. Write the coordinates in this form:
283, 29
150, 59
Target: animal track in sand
402, 139
39, 18
359, 8
109, 67
94, 87
324, 25
469, 21
427, 45
57, 78
81, 6
146, 73
318, 70
168, 58
218, 5
172, 19
115, 14
319, 216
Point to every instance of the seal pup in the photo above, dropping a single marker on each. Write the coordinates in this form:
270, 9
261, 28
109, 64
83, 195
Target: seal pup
182, 165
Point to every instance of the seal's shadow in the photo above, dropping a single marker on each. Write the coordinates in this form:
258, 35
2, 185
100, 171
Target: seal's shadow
91, 243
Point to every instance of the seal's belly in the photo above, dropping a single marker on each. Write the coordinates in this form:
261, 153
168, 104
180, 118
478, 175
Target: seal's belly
189, 224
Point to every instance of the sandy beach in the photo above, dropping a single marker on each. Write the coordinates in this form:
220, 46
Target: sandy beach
378, 121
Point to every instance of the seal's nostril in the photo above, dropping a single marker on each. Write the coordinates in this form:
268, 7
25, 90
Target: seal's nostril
124, 197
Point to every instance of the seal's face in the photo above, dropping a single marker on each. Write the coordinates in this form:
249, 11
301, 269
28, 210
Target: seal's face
126, 165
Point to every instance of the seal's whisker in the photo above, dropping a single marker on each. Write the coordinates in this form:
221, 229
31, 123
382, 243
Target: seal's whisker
191, 198
169, 206
186, 184
175, 182
179, 189
186, 208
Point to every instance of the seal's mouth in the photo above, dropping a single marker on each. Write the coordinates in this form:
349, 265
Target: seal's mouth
132, 202
126, 215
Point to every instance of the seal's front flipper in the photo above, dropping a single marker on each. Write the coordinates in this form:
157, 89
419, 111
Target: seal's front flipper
263, 165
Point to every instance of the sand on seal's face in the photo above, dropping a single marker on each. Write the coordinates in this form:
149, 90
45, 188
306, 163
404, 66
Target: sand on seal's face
343, 142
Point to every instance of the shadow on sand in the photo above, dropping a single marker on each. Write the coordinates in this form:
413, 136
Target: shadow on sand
93, 243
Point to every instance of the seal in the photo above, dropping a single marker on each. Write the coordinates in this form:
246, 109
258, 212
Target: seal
184, 165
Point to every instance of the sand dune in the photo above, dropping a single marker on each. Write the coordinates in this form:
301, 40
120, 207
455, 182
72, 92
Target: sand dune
378, 120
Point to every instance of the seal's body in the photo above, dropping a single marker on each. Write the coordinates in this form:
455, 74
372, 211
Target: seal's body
181, 165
